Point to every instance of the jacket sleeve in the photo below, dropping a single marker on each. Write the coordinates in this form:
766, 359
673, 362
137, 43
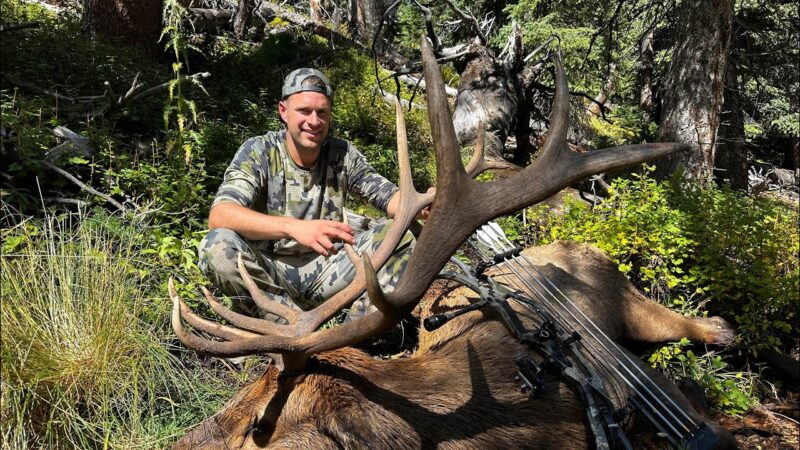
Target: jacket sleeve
245, 177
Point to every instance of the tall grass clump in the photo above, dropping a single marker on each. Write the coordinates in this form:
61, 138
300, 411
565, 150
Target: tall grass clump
80, 366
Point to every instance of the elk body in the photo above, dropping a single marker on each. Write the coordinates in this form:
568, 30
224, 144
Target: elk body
457, 390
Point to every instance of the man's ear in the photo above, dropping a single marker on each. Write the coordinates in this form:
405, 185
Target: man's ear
282, 110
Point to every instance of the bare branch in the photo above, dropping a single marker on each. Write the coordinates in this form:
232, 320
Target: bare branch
437, 44
130, 96
66, 201
607, 26
390, 99
538, 49
165, 86
73, 141
420, 82
54, 94
469, 18
83, 186
603, 107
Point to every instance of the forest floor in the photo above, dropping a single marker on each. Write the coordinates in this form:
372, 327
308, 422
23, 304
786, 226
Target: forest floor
773, 426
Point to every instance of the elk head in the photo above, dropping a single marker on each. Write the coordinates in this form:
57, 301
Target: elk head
255, 416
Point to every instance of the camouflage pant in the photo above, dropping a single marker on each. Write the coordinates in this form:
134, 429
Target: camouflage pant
298, 281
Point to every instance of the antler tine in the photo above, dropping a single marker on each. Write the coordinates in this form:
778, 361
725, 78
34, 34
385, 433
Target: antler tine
411, 201
461, 204
557, 166
260, 326
478, 163
264, 304
450, 171
294, 350
182, 312
376, 294
444, 229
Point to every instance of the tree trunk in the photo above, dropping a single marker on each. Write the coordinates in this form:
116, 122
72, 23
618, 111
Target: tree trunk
732, 151
244, 12
365, 16
522, 131
316, 11
134, 22
693, 92
647, 61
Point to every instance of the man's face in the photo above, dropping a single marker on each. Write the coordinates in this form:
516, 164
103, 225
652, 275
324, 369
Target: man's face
308, 117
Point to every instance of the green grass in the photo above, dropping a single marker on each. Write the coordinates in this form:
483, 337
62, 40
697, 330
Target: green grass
82, 366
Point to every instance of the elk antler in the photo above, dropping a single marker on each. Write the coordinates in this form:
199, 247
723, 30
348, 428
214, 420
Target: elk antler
460, 205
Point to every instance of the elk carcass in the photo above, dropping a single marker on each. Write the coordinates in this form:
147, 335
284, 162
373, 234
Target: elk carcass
457, 390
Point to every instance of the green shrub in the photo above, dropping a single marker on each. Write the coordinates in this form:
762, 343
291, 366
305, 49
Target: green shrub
699, 249
730, 392
80, 367
60, 58
746, 261
361, 115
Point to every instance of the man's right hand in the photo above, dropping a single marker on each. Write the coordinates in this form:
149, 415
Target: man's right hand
321, 234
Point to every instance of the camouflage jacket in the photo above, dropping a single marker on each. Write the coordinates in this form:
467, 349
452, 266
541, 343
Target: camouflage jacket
263, 177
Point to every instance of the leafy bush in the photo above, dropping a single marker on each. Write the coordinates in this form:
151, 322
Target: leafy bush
80, 367
363, 117
731, 392
746, 261
694, 246
639, 229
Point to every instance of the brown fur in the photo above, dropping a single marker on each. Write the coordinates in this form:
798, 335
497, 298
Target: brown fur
457, 390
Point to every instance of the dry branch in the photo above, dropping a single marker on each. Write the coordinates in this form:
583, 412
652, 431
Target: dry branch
419, 82
391, 99
83, 186
469, 18
134, 93
73, 141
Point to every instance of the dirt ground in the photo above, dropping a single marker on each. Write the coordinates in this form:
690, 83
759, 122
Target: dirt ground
773, 426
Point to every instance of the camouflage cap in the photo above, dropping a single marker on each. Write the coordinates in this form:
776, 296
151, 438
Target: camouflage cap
296, 82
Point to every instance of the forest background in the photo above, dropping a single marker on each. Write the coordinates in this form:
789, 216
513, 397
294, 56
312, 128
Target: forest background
119, 118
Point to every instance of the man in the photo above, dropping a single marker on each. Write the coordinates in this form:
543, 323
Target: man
281, 205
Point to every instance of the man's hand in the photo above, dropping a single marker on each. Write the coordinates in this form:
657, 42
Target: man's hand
321, 234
